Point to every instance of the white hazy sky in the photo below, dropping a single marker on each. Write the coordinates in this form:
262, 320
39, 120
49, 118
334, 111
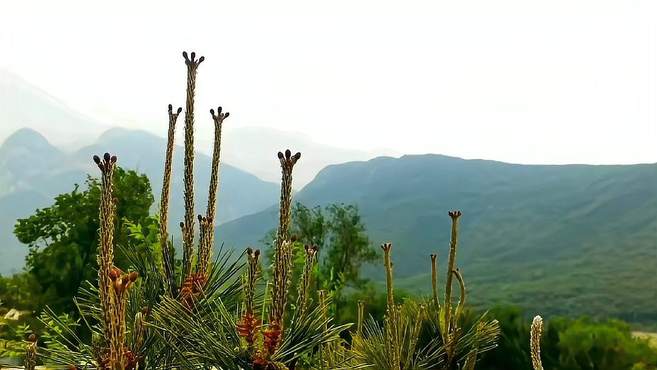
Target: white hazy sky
560, 81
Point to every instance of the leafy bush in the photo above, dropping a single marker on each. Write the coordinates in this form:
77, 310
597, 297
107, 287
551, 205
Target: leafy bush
569, 344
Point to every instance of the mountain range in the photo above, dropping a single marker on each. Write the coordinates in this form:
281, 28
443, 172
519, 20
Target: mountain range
252, 149
33, 172
34, 169
574, 239
555, 238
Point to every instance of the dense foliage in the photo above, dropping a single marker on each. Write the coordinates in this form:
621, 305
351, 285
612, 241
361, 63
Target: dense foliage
63, 239
343, 249
570, 344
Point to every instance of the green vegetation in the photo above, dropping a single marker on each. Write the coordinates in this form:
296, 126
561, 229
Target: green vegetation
569, 344
137, 305
342, 246
561, 240
63, 238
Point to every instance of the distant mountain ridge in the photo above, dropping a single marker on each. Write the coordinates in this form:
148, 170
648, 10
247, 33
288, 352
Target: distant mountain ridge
25, 105
555, 238
253, 149
32, 172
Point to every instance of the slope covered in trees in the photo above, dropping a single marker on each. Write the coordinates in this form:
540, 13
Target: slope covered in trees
573, 239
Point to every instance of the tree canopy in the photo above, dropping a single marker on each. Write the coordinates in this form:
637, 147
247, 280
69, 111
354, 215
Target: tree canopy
63, 238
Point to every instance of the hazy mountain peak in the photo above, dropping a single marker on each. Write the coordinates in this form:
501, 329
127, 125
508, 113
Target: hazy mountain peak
14, 84
133, 136
26, 151
26, 137
254, 149
23, 104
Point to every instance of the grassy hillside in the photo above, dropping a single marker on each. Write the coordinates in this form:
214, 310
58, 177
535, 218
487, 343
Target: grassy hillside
573, 239
32, 172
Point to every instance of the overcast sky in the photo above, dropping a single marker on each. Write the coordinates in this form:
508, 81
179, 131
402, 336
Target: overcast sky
520, 81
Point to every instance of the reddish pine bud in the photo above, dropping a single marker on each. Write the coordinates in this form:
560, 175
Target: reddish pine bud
118, 286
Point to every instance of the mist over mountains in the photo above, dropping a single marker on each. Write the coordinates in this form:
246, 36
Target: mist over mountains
32, 172
253, 149
25, 105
